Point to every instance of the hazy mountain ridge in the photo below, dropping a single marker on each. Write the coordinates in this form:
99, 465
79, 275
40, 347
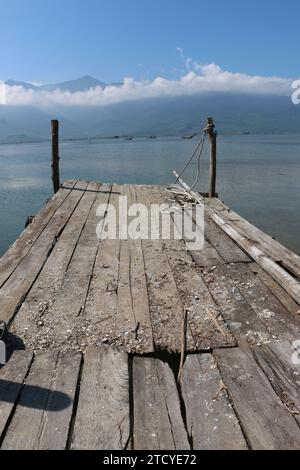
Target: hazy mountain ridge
233, 113
80, 84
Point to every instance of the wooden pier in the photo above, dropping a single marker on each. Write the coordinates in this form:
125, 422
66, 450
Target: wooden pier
104, 324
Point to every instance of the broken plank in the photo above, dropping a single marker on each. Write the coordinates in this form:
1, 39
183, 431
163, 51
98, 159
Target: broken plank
211, 421
12, 377
158, 423
265, 421
102, 419
43, 415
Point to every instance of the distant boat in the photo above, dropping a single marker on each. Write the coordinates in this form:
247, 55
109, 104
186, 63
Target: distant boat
129, 138
152, 137
116, 137
188, 137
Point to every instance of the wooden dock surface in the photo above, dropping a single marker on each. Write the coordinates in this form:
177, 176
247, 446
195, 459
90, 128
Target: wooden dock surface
101, 322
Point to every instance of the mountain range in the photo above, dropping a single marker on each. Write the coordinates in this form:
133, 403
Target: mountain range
234, 113
79, 84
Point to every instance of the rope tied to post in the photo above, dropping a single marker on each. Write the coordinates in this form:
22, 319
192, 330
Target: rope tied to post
209, 130
200, 146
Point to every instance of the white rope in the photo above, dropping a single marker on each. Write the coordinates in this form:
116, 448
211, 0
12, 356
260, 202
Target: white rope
199, 161
200, 146
190, 159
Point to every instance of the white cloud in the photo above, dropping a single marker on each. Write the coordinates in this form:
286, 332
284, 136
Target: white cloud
2, 93
36, 83
196, 79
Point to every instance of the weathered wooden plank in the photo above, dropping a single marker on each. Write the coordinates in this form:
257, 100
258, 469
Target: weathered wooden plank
238, 314
58, 418
276, 360
158, 423
36, 308
102, 419
133, 322
271, 247
211, 421
208, 256
277, 319
12, 377
64, 323
207, 326
276, 289
218, 247
229, 251
71, 298
43, 414
101, 303
263, 259
266, 423
166, 307
216, 203
235, 286
15, 289
12, 258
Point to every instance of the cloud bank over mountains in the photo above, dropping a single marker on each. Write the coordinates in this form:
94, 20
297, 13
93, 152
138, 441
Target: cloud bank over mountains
197, 79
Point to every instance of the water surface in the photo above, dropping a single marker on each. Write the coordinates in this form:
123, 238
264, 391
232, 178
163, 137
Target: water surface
258, 176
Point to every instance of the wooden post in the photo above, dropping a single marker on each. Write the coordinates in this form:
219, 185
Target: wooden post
213, 157
55, 155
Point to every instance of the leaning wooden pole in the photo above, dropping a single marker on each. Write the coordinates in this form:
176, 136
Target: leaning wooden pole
55, 155
212, 134
289, 283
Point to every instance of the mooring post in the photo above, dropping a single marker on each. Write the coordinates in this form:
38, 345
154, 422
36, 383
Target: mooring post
212, 134
55, 155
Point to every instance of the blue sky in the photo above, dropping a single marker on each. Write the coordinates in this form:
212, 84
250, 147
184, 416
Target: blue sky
56, 40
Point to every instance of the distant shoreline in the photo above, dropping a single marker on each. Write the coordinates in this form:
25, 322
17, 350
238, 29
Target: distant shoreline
136, 138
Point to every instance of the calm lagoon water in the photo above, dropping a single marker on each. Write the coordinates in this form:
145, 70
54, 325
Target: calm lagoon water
258, 176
